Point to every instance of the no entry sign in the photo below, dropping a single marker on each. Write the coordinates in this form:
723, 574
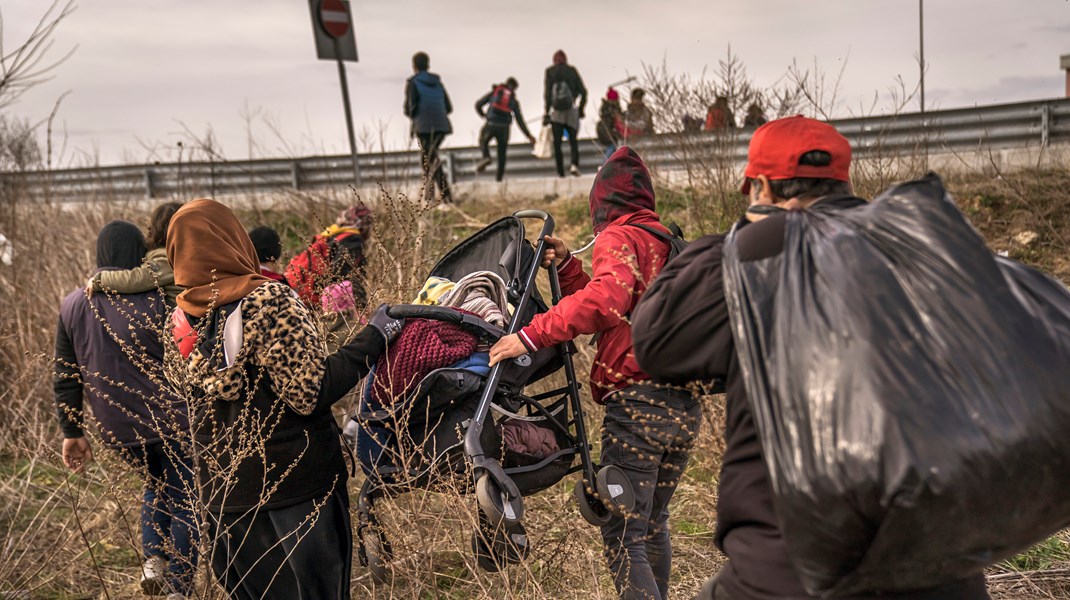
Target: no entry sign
334, 18
332, 27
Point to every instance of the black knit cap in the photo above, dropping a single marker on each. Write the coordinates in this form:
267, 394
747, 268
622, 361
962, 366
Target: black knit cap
267, 243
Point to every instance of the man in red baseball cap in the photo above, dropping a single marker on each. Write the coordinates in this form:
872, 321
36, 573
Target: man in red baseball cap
793, 163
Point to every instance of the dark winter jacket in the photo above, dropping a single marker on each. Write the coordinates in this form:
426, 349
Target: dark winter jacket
108, 351
262, 414
427, 104
610, 123
569, 75
682, 332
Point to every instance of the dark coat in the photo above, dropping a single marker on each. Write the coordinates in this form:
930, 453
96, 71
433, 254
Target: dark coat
682, 332
108, 351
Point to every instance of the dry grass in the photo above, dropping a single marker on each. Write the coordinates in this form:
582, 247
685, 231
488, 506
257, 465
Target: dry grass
64, 536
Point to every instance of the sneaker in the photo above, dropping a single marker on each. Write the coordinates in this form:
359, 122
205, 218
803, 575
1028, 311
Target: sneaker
574, 171
154, 576
482, 165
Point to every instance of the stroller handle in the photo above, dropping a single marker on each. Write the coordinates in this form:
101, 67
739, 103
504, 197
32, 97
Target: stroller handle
542, 215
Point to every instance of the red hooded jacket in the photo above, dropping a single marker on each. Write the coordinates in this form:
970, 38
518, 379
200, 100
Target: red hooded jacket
625, 260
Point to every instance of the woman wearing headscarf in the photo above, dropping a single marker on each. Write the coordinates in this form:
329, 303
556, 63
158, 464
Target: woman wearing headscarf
108, 351
648, 430
260, 385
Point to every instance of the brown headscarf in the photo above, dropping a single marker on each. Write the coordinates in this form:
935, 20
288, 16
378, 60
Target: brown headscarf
212, 256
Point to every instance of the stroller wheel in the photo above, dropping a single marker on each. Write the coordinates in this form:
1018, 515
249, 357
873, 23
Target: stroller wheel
375, 554
498, 508
592, 509
615, 490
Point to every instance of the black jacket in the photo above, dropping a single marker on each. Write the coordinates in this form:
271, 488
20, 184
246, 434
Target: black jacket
682, 332
568, 74
494, 116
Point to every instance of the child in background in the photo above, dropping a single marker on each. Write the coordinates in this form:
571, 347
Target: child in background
153, 274
268, 250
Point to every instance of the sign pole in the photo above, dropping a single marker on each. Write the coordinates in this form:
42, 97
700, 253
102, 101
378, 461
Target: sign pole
349, 112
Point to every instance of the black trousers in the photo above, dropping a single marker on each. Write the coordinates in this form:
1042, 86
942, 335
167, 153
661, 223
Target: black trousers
429, 145
293, 552
573, 146
499, 133
648, 432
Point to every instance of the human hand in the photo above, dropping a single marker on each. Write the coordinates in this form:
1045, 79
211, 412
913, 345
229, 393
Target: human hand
76, 453
89, 287
387, 326
506, 348
582, 114
531, 140
546, 119
555, 252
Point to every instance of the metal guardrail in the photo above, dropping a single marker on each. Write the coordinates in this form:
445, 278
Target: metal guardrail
1027, 124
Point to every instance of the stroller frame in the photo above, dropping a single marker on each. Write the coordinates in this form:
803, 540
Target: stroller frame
499, 498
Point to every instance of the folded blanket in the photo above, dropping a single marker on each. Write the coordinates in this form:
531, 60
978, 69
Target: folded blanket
525, 437
481, 293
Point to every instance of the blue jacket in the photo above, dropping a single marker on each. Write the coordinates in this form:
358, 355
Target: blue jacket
427, 104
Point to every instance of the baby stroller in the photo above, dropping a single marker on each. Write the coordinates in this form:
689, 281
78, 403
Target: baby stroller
449, 424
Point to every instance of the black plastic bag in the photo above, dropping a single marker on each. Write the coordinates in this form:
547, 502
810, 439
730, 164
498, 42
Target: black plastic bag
910, 391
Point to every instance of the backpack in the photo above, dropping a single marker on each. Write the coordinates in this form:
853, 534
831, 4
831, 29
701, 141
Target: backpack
501, 99
326, 259
675, 238
561, 97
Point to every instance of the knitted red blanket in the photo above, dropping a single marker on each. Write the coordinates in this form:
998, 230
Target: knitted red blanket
422, 346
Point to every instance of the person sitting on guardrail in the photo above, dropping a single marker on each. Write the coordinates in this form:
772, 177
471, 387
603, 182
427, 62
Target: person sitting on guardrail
638, 119
499, 117
648, 431
153, 274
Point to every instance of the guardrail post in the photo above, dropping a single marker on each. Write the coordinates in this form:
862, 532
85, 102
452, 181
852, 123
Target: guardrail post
1045, 125
451, 174
295, 175
149, 183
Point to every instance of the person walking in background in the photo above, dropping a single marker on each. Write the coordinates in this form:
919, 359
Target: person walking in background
648, 431
429, 107
499, 117
610, 122
755, 116
268, 451
719, 116
154, 274
108, 351
639, 119
561, 91
268, 247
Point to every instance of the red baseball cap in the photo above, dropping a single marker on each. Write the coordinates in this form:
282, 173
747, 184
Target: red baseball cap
776, 147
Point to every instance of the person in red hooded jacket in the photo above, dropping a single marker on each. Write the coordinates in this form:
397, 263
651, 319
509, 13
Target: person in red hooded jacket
648, 430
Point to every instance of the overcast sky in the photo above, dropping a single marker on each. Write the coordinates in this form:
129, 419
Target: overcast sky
143, 70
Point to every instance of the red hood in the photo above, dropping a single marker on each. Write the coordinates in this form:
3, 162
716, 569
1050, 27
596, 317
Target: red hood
622, 187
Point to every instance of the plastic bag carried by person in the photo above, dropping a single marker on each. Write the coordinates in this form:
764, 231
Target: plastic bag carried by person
910, 390
544, 146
